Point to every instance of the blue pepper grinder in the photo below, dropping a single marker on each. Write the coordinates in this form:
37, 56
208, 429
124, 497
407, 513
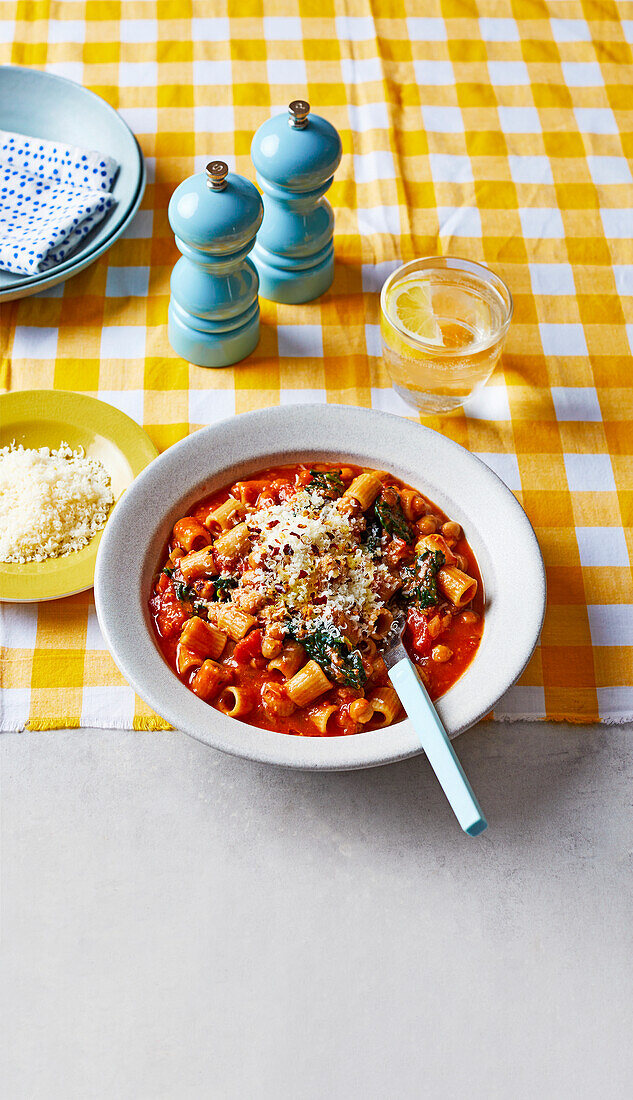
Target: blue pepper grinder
214, 308
295, 156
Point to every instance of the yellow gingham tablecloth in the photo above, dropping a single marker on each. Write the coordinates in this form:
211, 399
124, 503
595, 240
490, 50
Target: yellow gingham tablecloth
500, 130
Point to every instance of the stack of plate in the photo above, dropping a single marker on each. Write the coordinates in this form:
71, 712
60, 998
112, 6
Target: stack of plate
42, 105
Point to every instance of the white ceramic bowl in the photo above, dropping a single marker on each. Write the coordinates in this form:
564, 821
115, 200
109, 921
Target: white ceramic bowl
496, 526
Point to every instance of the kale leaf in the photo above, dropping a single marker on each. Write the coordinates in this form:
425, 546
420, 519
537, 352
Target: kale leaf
328, 482
393, 519
223, 587
330, 650
184, 592
371, 537
420, 586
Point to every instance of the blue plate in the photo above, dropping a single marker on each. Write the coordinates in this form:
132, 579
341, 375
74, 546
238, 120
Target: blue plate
42, 105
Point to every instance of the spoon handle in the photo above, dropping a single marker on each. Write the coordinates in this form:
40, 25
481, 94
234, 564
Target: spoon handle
435, 742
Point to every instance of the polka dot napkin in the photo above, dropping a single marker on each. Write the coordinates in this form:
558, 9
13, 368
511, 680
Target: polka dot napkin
51, 197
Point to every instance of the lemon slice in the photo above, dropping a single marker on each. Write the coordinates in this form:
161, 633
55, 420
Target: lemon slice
409, 304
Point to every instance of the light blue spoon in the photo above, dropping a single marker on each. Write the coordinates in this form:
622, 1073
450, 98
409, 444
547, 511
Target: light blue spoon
433, 737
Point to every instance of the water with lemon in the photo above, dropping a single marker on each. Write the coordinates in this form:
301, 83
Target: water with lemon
442, 333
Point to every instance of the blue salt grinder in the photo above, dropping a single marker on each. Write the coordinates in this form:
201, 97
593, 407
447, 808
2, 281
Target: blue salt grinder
214, 308
295, 156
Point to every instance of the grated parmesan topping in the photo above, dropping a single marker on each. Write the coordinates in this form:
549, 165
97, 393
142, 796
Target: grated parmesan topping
307, 559
51, 502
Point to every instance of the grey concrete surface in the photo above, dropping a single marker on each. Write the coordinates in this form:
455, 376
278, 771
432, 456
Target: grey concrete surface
179, 924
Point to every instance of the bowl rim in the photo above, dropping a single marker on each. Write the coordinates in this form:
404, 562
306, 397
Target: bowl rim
136, 533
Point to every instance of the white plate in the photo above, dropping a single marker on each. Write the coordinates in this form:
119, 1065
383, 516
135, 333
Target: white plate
496, 526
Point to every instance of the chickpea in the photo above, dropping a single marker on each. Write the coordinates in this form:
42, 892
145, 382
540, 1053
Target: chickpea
361, 710
451, 530
434, 626
176, 554
413, 505
271, 647
469, 617
461, 562
418, 507
276, 702
250, 601
427, 525
441, 653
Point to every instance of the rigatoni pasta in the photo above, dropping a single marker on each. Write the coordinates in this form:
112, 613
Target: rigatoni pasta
289, 660
187, 659
307, 684
235, 622
321, 715
236, 701
457, 585
232, 542
364, 489
203, 638
195, 564
226, 515
277, 593
386, 704
208, 679
189, 534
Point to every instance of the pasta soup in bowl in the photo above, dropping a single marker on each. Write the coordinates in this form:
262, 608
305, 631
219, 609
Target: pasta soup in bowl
255, 606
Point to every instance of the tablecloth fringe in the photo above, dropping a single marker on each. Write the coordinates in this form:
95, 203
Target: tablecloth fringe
140, 725
158, 725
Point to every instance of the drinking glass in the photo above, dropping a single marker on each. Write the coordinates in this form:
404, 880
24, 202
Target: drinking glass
443, 325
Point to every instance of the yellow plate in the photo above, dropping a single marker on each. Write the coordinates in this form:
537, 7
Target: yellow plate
43, 418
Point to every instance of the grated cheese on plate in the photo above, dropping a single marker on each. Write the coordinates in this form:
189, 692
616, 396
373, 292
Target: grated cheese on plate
51, 502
